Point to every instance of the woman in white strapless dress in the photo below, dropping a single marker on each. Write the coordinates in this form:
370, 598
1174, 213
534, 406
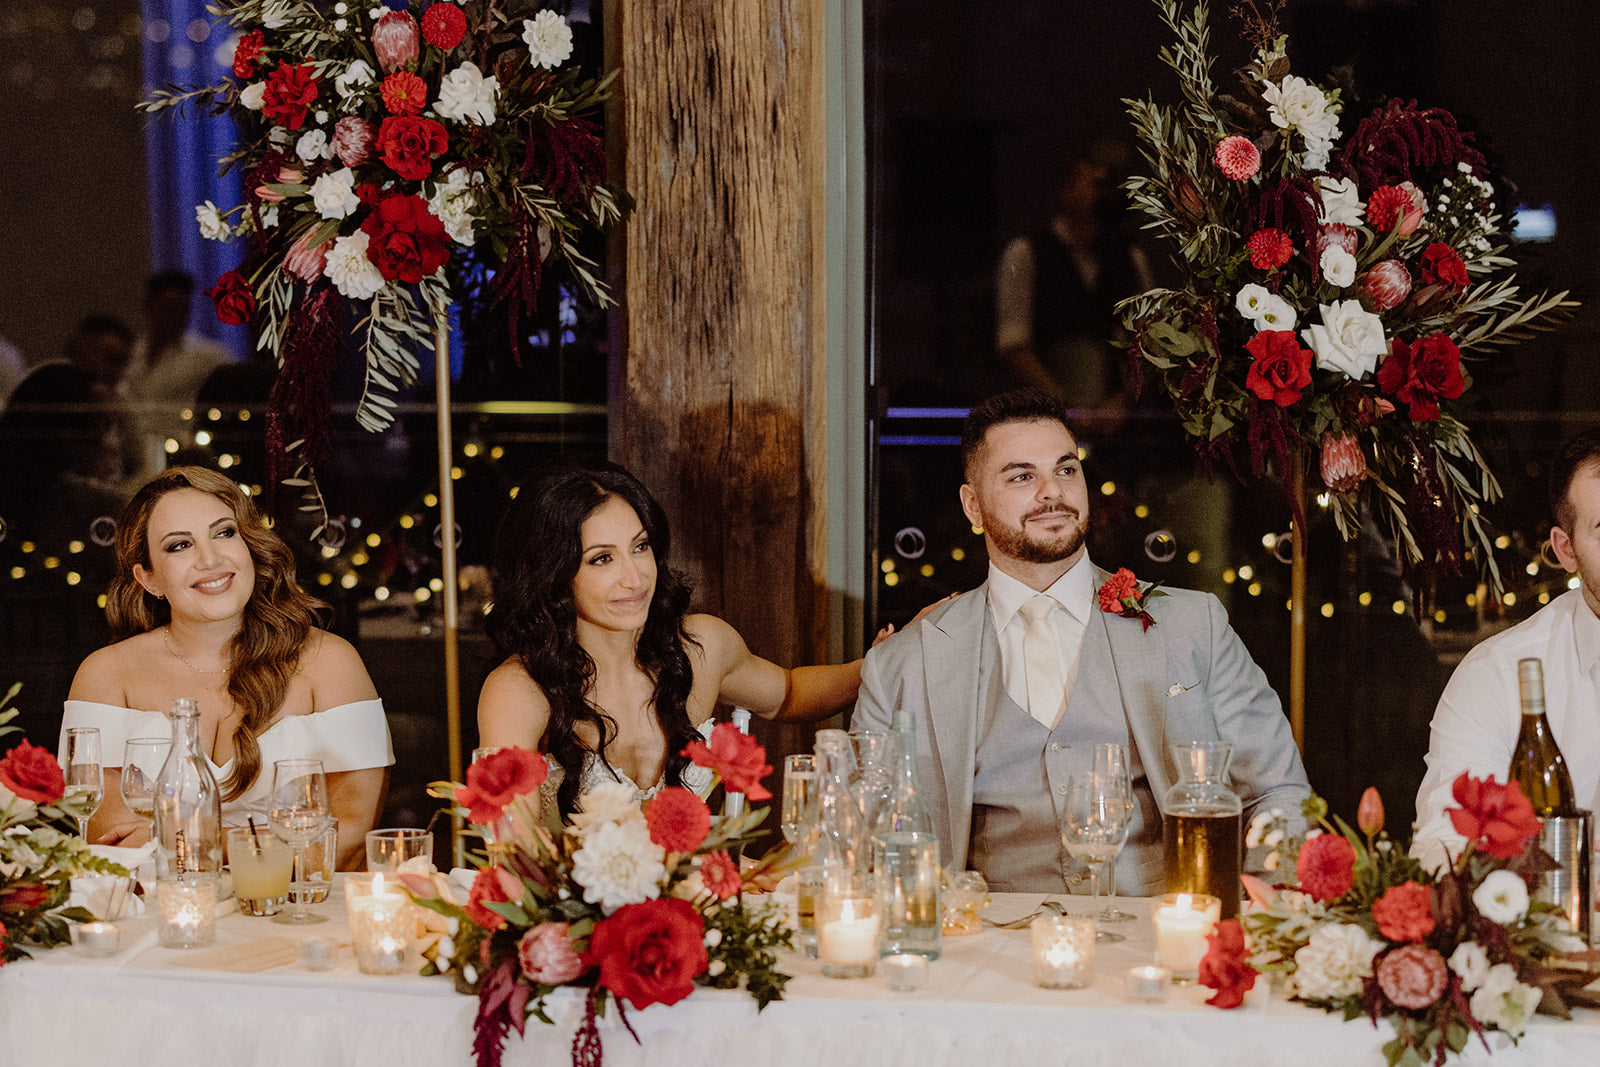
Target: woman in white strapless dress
605, 672
206, 605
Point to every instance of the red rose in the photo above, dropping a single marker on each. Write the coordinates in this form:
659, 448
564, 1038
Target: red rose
493, 885
368, 193
495, 781
394, 40
1344, 465
444, 26
1386, 284
1282, 369
1269, 249
1441, 266
649, 953
1420, 374
1326, 867
407, 242
290, 91
679, 821
32, 773
409, 143
1226, 965
1413, 976
1119, 585
738, 759
1404, 912
247, 53
233, 298
404, 93
19, 898
720, 874
1497, 818
1238, 157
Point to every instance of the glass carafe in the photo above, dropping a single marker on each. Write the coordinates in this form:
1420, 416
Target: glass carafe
188, 805
1200, 822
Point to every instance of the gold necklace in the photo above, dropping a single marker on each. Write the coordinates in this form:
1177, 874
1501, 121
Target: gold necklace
166, 637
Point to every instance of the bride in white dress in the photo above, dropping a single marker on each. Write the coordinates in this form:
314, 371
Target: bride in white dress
207, 606
605, 672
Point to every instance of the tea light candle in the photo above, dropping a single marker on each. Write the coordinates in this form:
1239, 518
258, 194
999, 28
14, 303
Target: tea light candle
904, 972
1063, 951
848, 938
381, 924
1182, 921
1147, 983
98, 939
187, 906
316, 953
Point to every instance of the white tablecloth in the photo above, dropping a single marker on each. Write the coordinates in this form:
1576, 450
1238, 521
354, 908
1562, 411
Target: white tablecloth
980, 1009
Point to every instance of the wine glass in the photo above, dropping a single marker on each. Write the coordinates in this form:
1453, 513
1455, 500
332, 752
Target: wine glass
299, 815
1094, 825
142, 758
1112, 759
85, 778
799, 796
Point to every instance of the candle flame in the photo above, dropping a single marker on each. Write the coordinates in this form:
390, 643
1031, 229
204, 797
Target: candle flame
377, 884
1184, 902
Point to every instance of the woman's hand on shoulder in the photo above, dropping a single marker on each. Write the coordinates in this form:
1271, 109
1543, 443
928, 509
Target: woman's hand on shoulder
334, 668
512, 708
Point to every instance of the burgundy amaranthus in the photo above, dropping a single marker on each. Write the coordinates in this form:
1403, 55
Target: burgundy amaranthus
1400, 142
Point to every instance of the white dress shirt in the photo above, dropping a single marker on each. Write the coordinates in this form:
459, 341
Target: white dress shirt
1479, 716
1073, 593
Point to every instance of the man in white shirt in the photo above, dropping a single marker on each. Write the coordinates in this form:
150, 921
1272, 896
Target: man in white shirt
1017, 679
169, 365
1475, 726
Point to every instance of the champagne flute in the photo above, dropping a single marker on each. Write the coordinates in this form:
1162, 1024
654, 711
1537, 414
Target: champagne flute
1112, 759
1094, 825
799, 796
299, 815
85, 777
142, 758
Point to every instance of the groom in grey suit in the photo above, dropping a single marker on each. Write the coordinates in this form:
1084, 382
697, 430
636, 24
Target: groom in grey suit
1015, 681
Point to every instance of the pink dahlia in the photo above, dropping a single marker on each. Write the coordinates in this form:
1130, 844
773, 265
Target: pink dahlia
1269, 249
1238, 157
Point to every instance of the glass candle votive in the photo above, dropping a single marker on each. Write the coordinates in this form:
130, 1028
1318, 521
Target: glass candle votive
317, 953
904, 972
1147, 983
186, 910
98, 939
402, 849
262, 865
1182, 921
847, 929
382, 924
1063, 951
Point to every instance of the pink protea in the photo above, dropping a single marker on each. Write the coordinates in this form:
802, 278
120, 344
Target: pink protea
1238, 157
305, 261
353, 137
1336, 235
1386, 284
395, 40
1344, 464
286, 176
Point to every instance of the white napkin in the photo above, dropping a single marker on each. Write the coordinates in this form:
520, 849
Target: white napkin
109, 896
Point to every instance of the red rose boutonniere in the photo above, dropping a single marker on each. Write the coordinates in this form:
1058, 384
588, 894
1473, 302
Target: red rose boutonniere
1120, 595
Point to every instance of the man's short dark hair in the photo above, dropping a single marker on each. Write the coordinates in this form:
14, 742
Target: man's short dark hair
97, 326
1019, 405
168, 281
1577, 453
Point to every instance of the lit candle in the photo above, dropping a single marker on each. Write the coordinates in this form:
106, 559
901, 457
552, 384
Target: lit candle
187, 904
1182, 921
847, 935
1063, 951
1147, 983
904, 972
381, 924
98, 939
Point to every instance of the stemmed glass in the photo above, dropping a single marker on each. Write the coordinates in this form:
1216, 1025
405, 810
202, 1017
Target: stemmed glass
1112, 759
1094, 825
85, 778
799, 796
299, 815
142, 758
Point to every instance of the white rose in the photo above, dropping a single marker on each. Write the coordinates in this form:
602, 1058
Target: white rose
465, 95
1296, 104
213, 228
549, 39
1340, 201
312, 146
1335, 962
1471, 963
253, 95
357, 76
1502, 897
351, 272
1502, 1000
334, 194
1338, 266
1349, 339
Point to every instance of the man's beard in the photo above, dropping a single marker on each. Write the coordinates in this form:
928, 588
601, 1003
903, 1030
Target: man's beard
1016, 542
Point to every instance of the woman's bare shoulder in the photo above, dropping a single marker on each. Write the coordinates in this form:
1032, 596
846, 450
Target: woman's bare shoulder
512, 707
335, 670
104, 674
711, 639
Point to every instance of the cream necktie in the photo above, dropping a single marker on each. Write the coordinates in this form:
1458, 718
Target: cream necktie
1041, 661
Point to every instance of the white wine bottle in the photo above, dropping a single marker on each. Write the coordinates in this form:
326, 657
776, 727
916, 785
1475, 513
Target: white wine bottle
1536, 763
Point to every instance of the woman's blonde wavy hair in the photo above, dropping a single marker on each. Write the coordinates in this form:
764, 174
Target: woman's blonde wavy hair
278, 618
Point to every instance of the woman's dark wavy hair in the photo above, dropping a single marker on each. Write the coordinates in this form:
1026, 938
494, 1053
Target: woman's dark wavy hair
278, 617
537, 552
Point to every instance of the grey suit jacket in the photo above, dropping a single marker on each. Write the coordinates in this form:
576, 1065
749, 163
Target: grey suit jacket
933, 669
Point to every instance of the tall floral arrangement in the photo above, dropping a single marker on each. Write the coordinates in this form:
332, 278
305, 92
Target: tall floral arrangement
378, 141
636, 905
1365, 929
39, 848
1341, 273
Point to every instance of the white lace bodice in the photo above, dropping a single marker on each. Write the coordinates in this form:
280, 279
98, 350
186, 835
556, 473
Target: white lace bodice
596, 772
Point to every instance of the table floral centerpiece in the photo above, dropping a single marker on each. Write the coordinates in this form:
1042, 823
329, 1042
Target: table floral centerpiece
39, 848
1340, 272
1364, 928
631, 904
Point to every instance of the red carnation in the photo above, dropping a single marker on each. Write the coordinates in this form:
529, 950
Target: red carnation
1282, 369
247, 54
394, 40
404, 93
1413, 976
352, 141
649, 953
1441, 266
1270, 249
493, 885
233, 298
494, 781
738, 759
1404, 912
1238, 157
32, 773
409, 143
290, 91
679, 821
1386, 284
444, 26
1119, 585
1421, 373
368, 193
1326, 867
1387, 205
1496, 818
720, 874
1226, 965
